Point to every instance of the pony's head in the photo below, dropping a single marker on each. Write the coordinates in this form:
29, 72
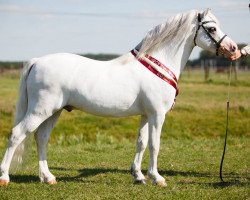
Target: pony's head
209, 35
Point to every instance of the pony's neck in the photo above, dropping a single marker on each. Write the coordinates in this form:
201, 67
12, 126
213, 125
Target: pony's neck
175, 58
171, 43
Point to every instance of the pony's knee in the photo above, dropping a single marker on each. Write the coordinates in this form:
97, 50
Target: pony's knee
142, 141
142, 145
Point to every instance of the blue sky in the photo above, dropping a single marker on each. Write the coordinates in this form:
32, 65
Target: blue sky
32, 28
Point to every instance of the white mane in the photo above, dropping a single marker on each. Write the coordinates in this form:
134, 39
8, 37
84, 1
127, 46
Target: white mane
173, 31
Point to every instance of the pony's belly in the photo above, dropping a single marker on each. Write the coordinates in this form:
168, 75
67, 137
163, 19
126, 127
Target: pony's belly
111, 112
112, 106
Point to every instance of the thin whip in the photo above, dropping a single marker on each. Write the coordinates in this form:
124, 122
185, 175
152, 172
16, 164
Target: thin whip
225, 141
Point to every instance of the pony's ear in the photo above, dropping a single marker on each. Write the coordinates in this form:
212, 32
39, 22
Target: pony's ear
205, 13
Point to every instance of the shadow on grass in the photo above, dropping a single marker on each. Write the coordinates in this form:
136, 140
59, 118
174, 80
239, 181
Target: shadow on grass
226, 184
90, 172
232, 179
24, 178
185, 174
229, 176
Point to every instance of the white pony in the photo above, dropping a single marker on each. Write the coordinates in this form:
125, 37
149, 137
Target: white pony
136, 83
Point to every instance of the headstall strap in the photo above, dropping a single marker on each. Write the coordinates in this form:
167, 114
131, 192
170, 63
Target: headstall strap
200, 24
199, 17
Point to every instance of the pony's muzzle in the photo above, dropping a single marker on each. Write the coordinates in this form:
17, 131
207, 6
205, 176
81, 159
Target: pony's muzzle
232, 53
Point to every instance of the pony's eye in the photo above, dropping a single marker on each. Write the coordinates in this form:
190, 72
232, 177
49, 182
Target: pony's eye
212, 30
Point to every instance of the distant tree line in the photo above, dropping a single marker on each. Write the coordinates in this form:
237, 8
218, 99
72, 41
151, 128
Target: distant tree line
11, 65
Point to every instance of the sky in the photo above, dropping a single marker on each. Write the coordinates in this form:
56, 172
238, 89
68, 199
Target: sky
33, 28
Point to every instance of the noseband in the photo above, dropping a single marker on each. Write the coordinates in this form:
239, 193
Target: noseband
201, 24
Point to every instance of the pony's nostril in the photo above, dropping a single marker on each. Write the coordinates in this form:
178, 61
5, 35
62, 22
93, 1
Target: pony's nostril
233, 48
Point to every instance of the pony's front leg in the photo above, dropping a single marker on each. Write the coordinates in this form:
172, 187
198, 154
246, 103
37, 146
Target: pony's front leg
155, 126
142, 142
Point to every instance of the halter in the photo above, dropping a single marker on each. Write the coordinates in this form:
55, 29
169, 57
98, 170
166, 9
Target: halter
217, 43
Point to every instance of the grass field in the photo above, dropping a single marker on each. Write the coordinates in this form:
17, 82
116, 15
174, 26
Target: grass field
90, 156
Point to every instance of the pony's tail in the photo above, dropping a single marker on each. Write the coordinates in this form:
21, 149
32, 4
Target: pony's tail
21, 109
22, 102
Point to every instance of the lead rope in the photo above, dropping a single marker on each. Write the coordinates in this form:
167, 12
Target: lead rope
225, 141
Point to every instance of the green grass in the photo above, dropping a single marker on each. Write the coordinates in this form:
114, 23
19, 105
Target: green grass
90, 156
90, 171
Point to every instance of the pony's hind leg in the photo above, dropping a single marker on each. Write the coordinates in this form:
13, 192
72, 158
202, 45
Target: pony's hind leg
19, 133
141, 145
17, 136
42, 137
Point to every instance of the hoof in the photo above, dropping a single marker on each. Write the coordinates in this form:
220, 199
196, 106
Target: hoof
161, 183
3, 182
140, 182
52, 182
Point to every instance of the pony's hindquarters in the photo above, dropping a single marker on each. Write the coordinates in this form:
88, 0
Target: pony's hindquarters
19, 131
40, 96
